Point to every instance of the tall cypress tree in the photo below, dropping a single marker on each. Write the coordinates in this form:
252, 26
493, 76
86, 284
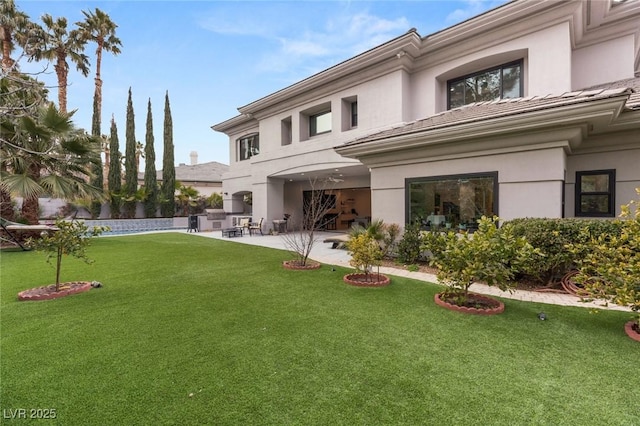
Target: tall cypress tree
168, 167
97, 168
130, 169
114, 178
150, 178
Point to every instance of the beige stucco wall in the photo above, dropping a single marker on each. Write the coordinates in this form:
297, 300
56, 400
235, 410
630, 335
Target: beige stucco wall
530, 182
603, 62
626, 164
545, 50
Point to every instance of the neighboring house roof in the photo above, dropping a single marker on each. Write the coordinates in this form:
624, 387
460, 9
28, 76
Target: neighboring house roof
481, 111
204, 172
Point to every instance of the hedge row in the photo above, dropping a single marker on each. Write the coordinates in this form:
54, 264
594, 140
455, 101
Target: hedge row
549, 236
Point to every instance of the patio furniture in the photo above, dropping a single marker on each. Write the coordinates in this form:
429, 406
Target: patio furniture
231, 232
337, 241
243, 224
8, 227
253, 227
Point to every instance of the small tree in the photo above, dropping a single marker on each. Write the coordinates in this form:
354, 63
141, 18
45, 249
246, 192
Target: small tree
302, 236
386, 235
365, 253
610, 270
70, 238
490, 255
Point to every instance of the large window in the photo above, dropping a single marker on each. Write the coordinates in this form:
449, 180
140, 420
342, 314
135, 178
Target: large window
452, 201
320, 123
595, 193
248, 146
503, 82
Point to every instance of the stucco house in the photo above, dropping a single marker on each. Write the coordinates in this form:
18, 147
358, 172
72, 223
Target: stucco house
531, 109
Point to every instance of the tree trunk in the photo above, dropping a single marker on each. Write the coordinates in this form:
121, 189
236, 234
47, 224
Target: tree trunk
6, 207
7, 62
62, 69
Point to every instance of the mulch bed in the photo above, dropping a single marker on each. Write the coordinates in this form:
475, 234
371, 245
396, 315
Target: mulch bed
49, 292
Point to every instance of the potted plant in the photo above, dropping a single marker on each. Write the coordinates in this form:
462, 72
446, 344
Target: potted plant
490, 255
66, 238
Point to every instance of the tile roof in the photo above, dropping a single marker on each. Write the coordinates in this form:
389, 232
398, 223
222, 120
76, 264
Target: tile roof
204, 172
481, 111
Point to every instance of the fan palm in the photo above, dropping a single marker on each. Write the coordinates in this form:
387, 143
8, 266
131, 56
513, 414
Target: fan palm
50, 157
99, 28
14, 25
56, 45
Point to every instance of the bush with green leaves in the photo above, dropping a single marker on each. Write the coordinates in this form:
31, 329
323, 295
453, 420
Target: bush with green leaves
385, 235
551, 237
491, 255
365, 253
610, 270
67, 238
409, 247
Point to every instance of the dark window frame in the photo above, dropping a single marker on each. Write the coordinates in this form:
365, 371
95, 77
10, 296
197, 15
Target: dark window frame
313, 123
409, 181
611, 193
354, 114
254, 146
501, 68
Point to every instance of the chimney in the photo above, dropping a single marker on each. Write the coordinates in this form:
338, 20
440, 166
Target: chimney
194, 158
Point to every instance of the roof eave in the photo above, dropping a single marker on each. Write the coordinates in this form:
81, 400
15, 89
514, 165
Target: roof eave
595, 113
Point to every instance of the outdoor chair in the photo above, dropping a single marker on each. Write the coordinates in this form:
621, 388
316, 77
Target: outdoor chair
243, 224
253, 227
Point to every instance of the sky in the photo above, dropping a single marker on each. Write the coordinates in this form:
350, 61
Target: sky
213, 57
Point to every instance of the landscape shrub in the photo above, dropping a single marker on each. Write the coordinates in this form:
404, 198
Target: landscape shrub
365, 253
491, 255
551, 237
409, 247
610, 269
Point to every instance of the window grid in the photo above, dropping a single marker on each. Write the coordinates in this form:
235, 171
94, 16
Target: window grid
595, 193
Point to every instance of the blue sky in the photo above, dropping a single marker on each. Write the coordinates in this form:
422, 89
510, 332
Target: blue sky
215, 56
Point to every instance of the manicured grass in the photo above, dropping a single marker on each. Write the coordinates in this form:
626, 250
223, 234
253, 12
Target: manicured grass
190, 330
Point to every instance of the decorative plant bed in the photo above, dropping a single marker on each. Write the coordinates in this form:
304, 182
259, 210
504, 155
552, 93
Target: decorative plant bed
367, 280
298, 266
49, 292
633, 330
477, 304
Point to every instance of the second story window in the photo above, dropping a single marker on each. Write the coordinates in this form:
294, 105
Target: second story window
354, 114
248, 146
504, 81
320, 123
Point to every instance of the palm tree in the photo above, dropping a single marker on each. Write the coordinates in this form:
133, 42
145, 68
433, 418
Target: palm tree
53, 158
20, 96
56, 45
99, 28
14, 24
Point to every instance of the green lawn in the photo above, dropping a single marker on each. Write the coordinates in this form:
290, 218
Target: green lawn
190, 330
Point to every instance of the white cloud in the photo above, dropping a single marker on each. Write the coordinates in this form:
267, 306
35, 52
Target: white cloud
337, 32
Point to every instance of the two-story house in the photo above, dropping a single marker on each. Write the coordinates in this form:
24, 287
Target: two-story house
529, 110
